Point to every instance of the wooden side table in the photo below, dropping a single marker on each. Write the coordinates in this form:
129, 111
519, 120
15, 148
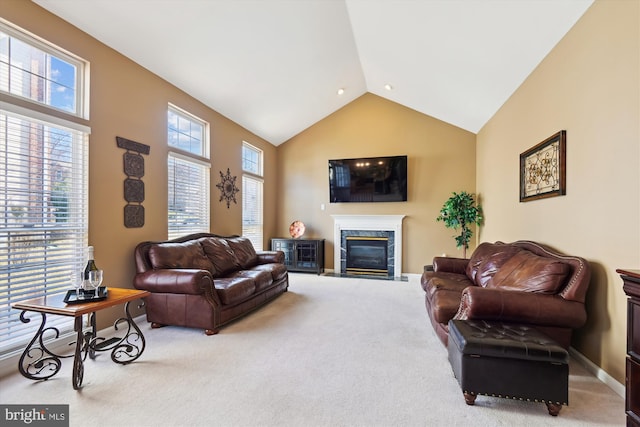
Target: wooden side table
40, 363
631, 279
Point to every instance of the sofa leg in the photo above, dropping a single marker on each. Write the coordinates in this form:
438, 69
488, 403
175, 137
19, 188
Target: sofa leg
554, 409
469, 398
156, 325
210, 332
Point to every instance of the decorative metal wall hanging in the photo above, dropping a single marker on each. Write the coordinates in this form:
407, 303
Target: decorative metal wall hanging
543, 169
133, 184
228, 187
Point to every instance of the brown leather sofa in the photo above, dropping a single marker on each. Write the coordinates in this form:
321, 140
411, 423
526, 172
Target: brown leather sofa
523, 283
205, 280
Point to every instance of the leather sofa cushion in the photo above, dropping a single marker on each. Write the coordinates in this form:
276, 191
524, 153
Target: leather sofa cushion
528, 272
487, 259
179, 255
232, 290
220, 255
262, 279
277, 271
244, 251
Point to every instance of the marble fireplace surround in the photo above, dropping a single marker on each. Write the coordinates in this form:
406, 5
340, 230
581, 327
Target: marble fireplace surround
390, 223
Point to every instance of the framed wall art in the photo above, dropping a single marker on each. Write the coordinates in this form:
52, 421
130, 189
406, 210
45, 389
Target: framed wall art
543, 169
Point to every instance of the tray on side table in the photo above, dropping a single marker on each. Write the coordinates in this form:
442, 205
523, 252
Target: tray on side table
87, 296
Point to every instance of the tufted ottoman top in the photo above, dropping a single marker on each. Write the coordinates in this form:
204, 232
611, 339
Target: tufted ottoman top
504, 340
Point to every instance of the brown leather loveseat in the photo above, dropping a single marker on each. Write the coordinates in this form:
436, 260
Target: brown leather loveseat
523, 282
205, 280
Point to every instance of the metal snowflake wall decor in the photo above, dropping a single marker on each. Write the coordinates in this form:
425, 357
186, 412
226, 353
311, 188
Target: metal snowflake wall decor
227, 188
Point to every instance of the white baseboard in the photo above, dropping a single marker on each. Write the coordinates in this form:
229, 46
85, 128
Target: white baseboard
598, 372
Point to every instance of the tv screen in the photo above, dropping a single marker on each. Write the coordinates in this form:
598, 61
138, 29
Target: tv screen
370, 179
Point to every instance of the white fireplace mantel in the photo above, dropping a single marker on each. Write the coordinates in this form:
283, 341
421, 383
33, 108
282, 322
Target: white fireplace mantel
368, 222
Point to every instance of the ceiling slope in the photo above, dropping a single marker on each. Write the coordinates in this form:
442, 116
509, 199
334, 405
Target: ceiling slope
274, 66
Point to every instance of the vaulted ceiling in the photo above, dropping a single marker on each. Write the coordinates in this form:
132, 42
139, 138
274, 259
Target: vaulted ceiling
275, 66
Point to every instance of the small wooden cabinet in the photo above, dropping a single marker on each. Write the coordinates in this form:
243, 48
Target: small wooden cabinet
631, 279
302, 255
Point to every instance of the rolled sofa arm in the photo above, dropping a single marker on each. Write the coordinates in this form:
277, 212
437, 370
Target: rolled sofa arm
520, 307
270, 257
174, 281
450, 265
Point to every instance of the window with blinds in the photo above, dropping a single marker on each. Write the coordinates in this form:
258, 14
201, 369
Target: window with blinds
188, 173
43, 179
252, 204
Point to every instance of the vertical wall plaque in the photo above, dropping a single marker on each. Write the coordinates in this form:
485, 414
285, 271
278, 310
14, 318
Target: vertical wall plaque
133, 184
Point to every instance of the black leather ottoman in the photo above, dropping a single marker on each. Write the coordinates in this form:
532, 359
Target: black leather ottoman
507, 360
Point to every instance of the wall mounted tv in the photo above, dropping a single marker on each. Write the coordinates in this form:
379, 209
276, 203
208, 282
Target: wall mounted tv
370, 179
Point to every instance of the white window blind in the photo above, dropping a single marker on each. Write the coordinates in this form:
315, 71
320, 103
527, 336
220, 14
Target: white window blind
188, 174
43, 178
252, 210
252, 203
43, 230
188, 196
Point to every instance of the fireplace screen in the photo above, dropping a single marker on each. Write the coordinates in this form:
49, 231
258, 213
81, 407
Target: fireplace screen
367, 255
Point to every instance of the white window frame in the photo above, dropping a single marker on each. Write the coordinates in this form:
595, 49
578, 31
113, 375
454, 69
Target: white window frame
45, 242
253, 192
188, 195
82, 77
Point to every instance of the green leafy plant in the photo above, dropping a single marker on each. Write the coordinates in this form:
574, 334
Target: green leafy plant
459, 212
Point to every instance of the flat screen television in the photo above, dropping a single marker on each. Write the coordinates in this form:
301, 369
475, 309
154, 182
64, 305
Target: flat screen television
369, 179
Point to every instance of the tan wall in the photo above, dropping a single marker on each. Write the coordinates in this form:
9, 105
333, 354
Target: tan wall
129, 101
590, 86
441, 159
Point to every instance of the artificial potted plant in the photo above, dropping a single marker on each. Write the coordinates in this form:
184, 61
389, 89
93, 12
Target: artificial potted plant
459, 212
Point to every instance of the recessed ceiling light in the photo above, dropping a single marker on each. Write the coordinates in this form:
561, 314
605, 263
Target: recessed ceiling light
340, 91
388, 86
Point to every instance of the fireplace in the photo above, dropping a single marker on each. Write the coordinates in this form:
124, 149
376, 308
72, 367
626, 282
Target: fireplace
377, 240
367, 255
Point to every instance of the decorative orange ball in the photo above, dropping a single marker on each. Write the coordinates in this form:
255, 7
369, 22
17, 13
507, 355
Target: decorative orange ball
296, 229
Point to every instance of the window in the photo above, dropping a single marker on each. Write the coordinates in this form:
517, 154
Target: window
251, 159
43, 179
189, 168
252, 223
40, 72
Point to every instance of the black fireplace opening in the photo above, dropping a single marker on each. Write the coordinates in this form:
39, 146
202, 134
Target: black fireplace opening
367, 255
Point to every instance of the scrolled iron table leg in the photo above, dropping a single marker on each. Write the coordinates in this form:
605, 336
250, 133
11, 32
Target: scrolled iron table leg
37, 361
92, 336
126, 349
133, 344
78, 359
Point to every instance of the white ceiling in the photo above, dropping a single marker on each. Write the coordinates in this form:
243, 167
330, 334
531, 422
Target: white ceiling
274, 66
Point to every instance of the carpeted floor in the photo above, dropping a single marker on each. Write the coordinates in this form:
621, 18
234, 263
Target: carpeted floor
330, 352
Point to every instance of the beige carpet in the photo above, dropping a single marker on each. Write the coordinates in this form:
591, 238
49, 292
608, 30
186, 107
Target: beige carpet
330, 352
